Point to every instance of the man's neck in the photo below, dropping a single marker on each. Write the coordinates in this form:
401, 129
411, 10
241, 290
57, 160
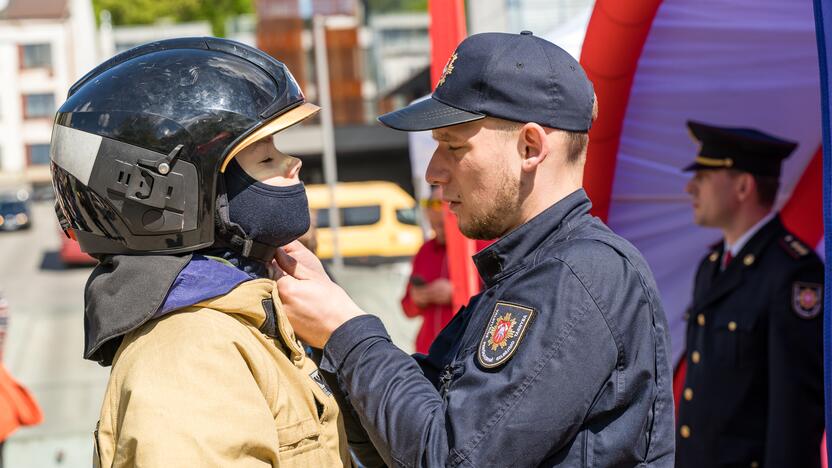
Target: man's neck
539, 202
742, 222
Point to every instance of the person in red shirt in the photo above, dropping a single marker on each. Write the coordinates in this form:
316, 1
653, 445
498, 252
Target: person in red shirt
429, 290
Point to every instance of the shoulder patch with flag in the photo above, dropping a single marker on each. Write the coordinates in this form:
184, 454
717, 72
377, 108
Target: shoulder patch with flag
505, 331
807, 299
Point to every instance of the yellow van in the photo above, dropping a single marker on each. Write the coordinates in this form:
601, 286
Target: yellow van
378, 220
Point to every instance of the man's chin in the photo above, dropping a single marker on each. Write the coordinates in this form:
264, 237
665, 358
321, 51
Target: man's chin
477, 233
702, 222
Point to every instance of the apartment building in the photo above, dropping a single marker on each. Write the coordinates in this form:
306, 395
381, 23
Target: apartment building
45, 45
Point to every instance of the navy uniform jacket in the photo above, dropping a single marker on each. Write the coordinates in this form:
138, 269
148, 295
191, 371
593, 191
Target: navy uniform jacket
561, 361
754, 386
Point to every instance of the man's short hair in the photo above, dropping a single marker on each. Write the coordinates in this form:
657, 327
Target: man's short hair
767, 187
576, 142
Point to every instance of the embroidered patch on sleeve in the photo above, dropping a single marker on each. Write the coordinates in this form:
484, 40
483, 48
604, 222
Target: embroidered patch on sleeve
505, 330
807, 299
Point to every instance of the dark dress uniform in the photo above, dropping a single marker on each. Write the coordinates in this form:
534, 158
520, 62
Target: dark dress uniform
753, 394
754, 387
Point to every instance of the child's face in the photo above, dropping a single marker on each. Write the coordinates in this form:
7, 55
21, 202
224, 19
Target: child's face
264, 162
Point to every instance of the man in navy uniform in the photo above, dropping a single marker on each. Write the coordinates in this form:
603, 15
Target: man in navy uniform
562, 359
753, 393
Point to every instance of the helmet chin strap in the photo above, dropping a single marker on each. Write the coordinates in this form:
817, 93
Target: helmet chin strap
231, 235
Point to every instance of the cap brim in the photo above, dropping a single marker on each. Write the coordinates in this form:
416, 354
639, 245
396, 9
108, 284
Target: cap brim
281, 122
427, 114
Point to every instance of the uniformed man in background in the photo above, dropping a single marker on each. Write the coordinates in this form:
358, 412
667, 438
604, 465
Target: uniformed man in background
753, 393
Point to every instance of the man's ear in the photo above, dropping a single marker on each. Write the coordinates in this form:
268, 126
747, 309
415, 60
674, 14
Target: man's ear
746, 186
534, 145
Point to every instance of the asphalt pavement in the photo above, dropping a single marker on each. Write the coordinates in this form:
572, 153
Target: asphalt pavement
45, 339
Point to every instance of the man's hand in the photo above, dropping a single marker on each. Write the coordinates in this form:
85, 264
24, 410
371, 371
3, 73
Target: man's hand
420, 295
314, 304
440, 291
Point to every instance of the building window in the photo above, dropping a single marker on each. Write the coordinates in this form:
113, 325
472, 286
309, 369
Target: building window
38, 154
38, 105
37, 56
352, 216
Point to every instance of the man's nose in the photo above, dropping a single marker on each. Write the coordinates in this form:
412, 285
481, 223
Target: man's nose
436, 174
689, 187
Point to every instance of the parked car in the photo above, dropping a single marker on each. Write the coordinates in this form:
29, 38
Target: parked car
378, 221
41, 192
14, 214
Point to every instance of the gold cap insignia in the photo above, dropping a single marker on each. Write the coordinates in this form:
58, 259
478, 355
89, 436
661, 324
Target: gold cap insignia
449, 68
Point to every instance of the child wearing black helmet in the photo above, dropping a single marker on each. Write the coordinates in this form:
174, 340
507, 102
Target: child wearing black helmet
167, 170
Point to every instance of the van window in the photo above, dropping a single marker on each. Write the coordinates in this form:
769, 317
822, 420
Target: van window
407, 216
352, 216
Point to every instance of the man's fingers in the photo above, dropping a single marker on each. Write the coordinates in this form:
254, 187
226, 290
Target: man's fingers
286, 262
284, 284
294, 246
276, 271
295, 259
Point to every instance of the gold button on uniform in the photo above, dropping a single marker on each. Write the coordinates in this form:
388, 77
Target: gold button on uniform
688, 394
755, 464
748, 260
714, 256
732, 326
684, 431
695, 356
700, 319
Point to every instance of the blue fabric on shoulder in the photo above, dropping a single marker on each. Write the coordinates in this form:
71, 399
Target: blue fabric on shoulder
202, 279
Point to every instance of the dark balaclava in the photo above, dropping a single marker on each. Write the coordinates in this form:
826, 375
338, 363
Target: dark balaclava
268, 214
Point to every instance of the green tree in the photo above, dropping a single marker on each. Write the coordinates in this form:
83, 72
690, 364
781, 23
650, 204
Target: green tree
135, 12
388, 6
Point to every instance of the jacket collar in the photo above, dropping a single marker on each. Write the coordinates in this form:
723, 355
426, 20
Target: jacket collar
509, 252
257, 303
721, 283
122, 293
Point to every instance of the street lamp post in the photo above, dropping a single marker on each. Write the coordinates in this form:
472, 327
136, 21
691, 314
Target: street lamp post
329, 160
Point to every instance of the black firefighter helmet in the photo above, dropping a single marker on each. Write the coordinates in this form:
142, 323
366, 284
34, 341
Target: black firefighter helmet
139, 144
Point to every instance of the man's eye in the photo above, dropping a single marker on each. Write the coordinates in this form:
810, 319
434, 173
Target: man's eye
454, 148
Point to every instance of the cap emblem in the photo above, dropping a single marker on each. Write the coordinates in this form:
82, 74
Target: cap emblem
449, 68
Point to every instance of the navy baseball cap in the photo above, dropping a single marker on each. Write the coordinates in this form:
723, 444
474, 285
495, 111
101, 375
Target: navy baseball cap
518, 77
743, 149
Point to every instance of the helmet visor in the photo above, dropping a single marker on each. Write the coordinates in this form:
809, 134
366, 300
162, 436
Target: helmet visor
277, 124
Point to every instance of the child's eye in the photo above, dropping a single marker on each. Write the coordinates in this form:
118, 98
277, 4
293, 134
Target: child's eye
266, 161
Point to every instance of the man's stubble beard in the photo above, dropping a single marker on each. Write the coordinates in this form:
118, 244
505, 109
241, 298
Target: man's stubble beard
498, 219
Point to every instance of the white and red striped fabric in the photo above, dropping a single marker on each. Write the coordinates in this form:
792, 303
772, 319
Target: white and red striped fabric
656, 64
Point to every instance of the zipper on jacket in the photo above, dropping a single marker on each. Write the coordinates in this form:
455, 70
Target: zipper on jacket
445, 379
96, 448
